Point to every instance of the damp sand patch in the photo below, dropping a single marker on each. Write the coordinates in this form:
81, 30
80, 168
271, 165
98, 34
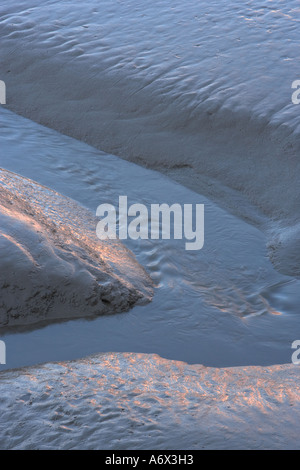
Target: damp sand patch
53, 267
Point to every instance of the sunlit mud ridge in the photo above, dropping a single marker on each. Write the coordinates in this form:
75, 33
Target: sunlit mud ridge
52, 265
136, 401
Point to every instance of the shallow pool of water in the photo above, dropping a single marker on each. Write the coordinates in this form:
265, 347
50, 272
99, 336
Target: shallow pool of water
224, 305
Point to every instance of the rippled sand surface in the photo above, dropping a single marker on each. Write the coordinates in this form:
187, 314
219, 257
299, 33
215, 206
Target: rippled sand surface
200, 92
212, 82
136, 401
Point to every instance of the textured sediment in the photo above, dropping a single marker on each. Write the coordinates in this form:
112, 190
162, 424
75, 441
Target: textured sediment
53, 266
136, 401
